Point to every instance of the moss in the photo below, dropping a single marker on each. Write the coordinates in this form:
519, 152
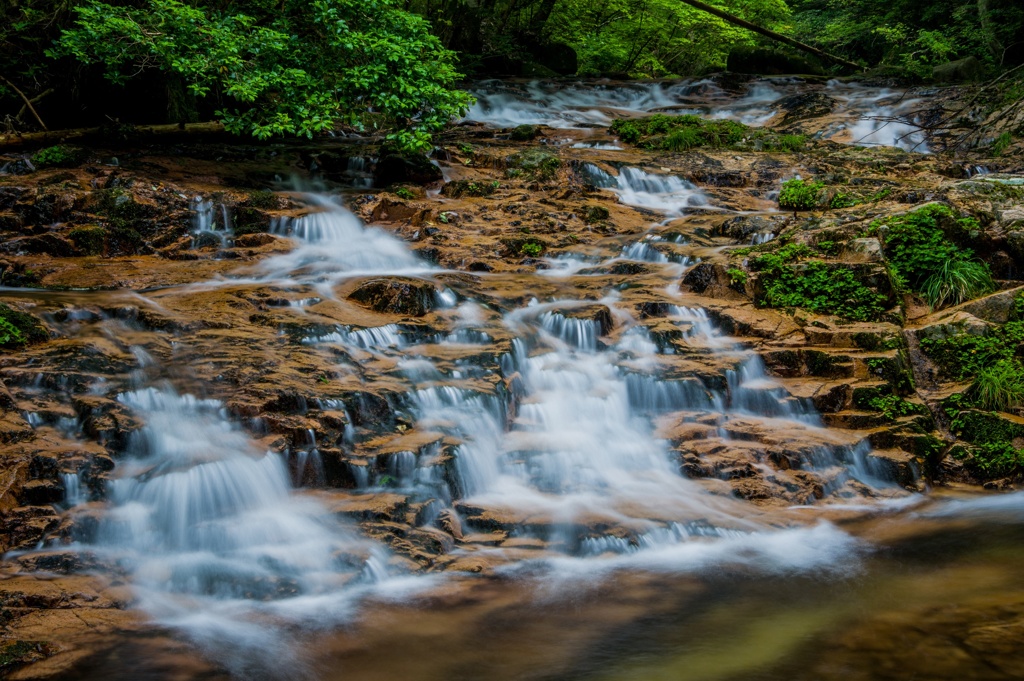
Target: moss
524, 133
536, 164
262, 198
14, 654
458, 188
59, 156
89, 240
682, 133
18, 328
895, 371
595, 214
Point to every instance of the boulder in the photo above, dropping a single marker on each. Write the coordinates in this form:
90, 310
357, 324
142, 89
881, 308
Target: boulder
402, 296
959, 71
867, 249
805, 105
396, 169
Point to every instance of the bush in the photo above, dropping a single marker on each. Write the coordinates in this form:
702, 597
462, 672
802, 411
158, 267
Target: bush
89, 240
919, 249
814, 286
59, 156
999, 387
800, 195
957, 280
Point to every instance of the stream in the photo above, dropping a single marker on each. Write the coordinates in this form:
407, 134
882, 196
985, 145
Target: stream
536, 437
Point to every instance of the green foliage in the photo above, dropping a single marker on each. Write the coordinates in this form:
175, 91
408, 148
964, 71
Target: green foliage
18, 328
999, 386
682, 133
800, 195
457, 188
89, 240
737, 277
964, 355
292, 67
990, 451
957, 280
893, 407
814, 285
925, 260
595, 214
59, 156
404, 193
1001, 144
531, 248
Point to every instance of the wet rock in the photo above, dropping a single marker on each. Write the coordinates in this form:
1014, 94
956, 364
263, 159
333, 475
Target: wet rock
959, 71
997, 308
407, 297
805, 105
26, 526
396, 169
254, 240
867, 249
51, 244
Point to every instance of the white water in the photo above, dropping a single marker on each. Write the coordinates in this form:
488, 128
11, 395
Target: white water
666, 194
213, 538
866, 115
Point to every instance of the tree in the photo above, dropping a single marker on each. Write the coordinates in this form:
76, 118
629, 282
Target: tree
281, 66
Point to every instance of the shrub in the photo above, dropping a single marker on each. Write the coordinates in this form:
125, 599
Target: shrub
893, 407
957, 280
816, 286
532, 249
59, 156
1000, 386
680, 133
800, 195
89, 240
737, 277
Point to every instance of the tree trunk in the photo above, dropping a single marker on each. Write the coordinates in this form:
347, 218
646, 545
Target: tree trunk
59, 136
778, 37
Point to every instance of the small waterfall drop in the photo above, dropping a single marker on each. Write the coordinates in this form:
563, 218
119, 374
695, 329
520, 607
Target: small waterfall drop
666, 194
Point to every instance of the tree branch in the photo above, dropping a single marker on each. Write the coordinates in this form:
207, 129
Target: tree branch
778, 37
27, 101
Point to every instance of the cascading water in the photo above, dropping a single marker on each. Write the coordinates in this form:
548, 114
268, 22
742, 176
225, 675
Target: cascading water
868, 116
635, 187
208, 528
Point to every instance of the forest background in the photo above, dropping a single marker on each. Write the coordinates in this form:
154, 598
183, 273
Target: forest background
302, 67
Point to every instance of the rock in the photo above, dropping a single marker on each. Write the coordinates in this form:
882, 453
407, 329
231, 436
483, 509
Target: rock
867, 249
408, 297
396, 169
51, 244
254, 240
769, 62
997, 308
805, 105
701, 277
959, 71
524, 133
948, 325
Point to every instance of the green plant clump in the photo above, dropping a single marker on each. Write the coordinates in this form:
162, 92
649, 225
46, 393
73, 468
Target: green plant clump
531, 248
536, 164
925, 260
800, 195
524, 133
999, 386
59, 156
814, 286
89, 240
18, 328
682, 133
737, 277
262, 198
893, 407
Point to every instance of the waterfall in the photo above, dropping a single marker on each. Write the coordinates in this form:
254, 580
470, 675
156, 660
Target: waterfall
635, 187
209, 529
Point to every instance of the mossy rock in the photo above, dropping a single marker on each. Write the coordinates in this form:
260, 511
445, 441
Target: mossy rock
595, 214
90, 240
18, 328
458, 188
535, 164
59, 156
524, 133
408, 297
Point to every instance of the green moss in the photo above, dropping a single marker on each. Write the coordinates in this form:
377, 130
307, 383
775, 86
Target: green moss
536, 164
14, 654
89, 240
595, 214
459, 188
681, 133
59, 156
524, 133
18, 329
262, 198
895, 371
